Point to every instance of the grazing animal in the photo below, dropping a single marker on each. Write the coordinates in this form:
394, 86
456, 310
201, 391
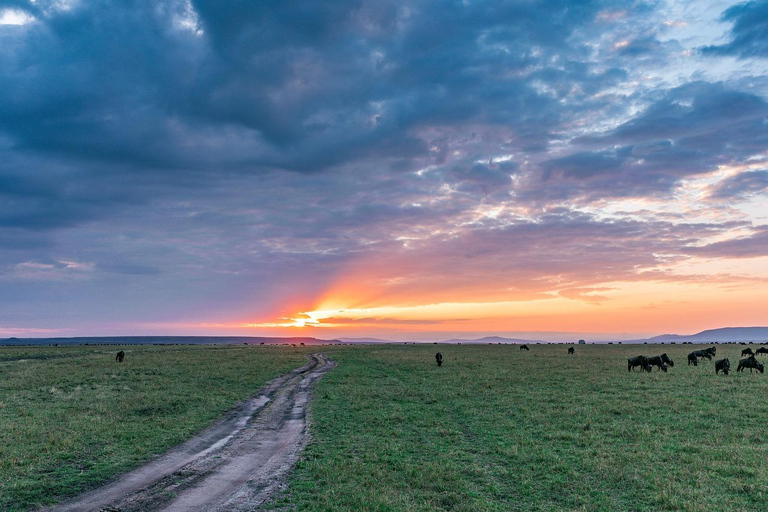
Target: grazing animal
692, 359
750, 363
667, 359
571, 350
761, 350
120, 356
439, 359
724, 365
747, 352
524, 347
640, 361
703, 353
657, 361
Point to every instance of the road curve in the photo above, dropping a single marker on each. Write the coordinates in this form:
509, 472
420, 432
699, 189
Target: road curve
236, 464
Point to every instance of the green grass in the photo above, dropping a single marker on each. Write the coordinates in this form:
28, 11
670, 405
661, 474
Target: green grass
71, 417
500, 429
493, 429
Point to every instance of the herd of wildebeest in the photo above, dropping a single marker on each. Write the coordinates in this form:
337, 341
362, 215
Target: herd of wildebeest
662, 362
647, 363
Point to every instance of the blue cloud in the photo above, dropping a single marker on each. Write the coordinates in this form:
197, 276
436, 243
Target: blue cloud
749, 34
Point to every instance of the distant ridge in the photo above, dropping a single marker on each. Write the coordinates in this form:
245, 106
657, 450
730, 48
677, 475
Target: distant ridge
166, 340
366, 340
495, 339
758, 334
725, 334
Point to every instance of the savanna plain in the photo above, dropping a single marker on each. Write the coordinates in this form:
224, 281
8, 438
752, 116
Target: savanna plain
494, 428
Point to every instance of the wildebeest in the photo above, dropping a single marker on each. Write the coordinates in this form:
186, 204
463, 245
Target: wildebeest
524, 347
640, 361
692, 359
439, 359
657, 361
703, 353
120, 356
722, 364
750, 362
667, 359
761, 350
747, 352
571, 350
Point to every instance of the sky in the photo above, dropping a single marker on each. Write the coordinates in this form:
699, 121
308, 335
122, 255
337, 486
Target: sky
394, 169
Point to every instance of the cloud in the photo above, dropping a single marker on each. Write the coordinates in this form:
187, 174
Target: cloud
752, 246
741, 185
749, 33
689, 131
590, 295
264, 152
296, 87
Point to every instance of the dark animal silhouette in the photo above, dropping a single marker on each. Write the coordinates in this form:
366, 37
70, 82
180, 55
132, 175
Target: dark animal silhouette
747, 352
712, 350
750, 363
724, 365
703, 353
658, 362
640, 361
120, 356
761, 350
571, 350
692, 359
439, 359
667, 359
524, 347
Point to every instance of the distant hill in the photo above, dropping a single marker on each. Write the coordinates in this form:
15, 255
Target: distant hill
757, 334
366, 340
738, 334
166, 340
725, 334
494, 339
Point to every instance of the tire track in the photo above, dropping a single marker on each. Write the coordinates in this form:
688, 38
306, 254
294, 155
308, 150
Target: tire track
236, 464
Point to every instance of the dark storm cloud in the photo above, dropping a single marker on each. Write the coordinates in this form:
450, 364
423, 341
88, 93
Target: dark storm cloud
298, 85
749, 34
127, 91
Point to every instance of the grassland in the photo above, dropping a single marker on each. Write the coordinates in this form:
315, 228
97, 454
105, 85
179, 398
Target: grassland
500, 429
71, 417
493, 429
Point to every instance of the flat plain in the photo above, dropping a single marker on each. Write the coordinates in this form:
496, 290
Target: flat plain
494, 428
71, 417
499, 429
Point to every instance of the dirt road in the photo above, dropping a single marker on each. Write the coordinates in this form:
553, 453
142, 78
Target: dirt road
236, 464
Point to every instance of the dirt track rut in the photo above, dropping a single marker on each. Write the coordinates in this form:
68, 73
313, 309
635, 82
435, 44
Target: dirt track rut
236, 464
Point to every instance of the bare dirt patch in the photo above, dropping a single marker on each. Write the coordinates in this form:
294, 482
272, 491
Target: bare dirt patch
236, 464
